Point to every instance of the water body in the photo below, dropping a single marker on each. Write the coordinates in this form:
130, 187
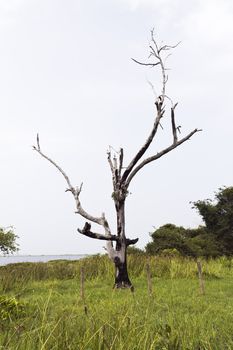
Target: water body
12, 259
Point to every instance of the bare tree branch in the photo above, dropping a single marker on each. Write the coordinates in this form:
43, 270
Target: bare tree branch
131, 241
115, 167
38, 141
87, 232
121, 157
112, 170
75, 192
160, 112
98, 220
71, 188
146, 64
155, 51
174, 128
159, 155
168, 47
131, 170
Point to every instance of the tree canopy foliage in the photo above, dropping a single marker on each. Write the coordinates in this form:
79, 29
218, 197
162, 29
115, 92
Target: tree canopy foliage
8, 240
217, 215
188, 242
213, 239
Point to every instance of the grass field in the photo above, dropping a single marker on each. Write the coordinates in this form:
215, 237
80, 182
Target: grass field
41, 306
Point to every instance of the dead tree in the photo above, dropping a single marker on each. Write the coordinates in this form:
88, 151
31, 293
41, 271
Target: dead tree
117, 243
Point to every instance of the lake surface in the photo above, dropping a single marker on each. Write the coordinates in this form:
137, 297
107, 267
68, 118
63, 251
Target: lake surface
12, 259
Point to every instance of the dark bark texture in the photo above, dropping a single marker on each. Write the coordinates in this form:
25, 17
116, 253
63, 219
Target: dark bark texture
121, 274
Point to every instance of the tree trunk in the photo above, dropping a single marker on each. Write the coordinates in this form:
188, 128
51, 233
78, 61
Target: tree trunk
121, 273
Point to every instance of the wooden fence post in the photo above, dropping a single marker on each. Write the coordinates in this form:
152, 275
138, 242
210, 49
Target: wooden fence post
82, 294
82, 283
200, 276
149, 283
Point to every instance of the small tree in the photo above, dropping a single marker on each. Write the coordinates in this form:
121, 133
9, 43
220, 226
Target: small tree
117, 242
218, 218
8, 240
168, 236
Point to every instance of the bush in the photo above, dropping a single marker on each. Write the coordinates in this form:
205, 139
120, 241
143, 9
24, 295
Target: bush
187, 242
10, 308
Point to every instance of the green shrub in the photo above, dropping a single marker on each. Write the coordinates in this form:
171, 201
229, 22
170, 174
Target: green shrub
10, 308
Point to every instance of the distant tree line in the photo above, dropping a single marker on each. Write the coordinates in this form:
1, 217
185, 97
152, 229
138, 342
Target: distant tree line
214, 238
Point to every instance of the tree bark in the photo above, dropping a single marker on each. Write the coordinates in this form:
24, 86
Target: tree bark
121, 272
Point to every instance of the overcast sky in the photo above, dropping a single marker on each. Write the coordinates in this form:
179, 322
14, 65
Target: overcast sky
66, 72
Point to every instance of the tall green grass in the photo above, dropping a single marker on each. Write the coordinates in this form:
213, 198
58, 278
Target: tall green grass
52, 314
99, 267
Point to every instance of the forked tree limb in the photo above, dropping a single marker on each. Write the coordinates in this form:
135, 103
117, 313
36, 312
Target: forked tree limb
155, 51
113, 253
133, 167
38, 150
168, 47
159, 155
143, 149
75, 192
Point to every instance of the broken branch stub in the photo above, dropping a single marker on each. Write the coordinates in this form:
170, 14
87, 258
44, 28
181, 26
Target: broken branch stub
86, 231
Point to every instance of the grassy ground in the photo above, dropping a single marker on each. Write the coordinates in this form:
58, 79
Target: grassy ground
45, 310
